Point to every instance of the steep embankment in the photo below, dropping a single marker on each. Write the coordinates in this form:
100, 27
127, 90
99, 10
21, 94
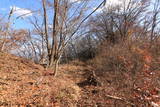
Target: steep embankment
23, 83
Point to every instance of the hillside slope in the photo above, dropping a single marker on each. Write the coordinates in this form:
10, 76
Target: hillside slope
23, 83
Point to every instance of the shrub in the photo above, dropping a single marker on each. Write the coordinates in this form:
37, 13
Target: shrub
131, 68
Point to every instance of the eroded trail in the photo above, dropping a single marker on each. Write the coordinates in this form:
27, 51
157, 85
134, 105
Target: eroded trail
92, 94
111, 92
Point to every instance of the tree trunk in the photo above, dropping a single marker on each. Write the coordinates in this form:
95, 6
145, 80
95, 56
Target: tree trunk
55, 68
46, 24
53, 57
53, 64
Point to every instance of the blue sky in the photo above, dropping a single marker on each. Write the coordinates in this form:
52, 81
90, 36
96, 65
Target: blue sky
5, 6
27, 5
24, 5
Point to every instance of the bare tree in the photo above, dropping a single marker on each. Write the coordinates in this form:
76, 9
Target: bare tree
116, 23
67, 20
56, 32
6, 32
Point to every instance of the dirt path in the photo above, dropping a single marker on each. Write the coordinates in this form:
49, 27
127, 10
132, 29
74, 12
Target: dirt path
91, 96
108, 95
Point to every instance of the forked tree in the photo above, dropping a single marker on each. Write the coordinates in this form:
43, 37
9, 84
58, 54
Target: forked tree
68, 17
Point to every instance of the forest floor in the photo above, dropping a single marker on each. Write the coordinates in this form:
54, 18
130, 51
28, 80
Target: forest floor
25, 84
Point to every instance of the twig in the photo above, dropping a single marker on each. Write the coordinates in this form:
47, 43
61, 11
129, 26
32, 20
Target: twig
103, 2
119, 98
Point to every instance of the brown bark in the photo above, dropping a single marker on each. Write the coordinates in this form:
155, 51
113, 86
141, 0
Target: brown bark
46, 25
53, 61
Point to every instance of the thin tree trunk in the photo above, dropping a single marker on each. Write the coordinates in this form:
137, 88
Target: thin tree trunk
46, 29
53, 61
7, 30
55, 67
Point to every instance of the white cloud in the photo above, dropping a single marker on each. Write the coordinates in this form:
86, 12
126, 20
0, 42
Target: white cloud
21, 11
110, 3
114, 3
78, 1
50, 26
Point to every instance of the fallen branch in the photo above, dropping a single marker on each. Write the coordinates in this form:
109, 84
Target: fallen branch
119, 98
